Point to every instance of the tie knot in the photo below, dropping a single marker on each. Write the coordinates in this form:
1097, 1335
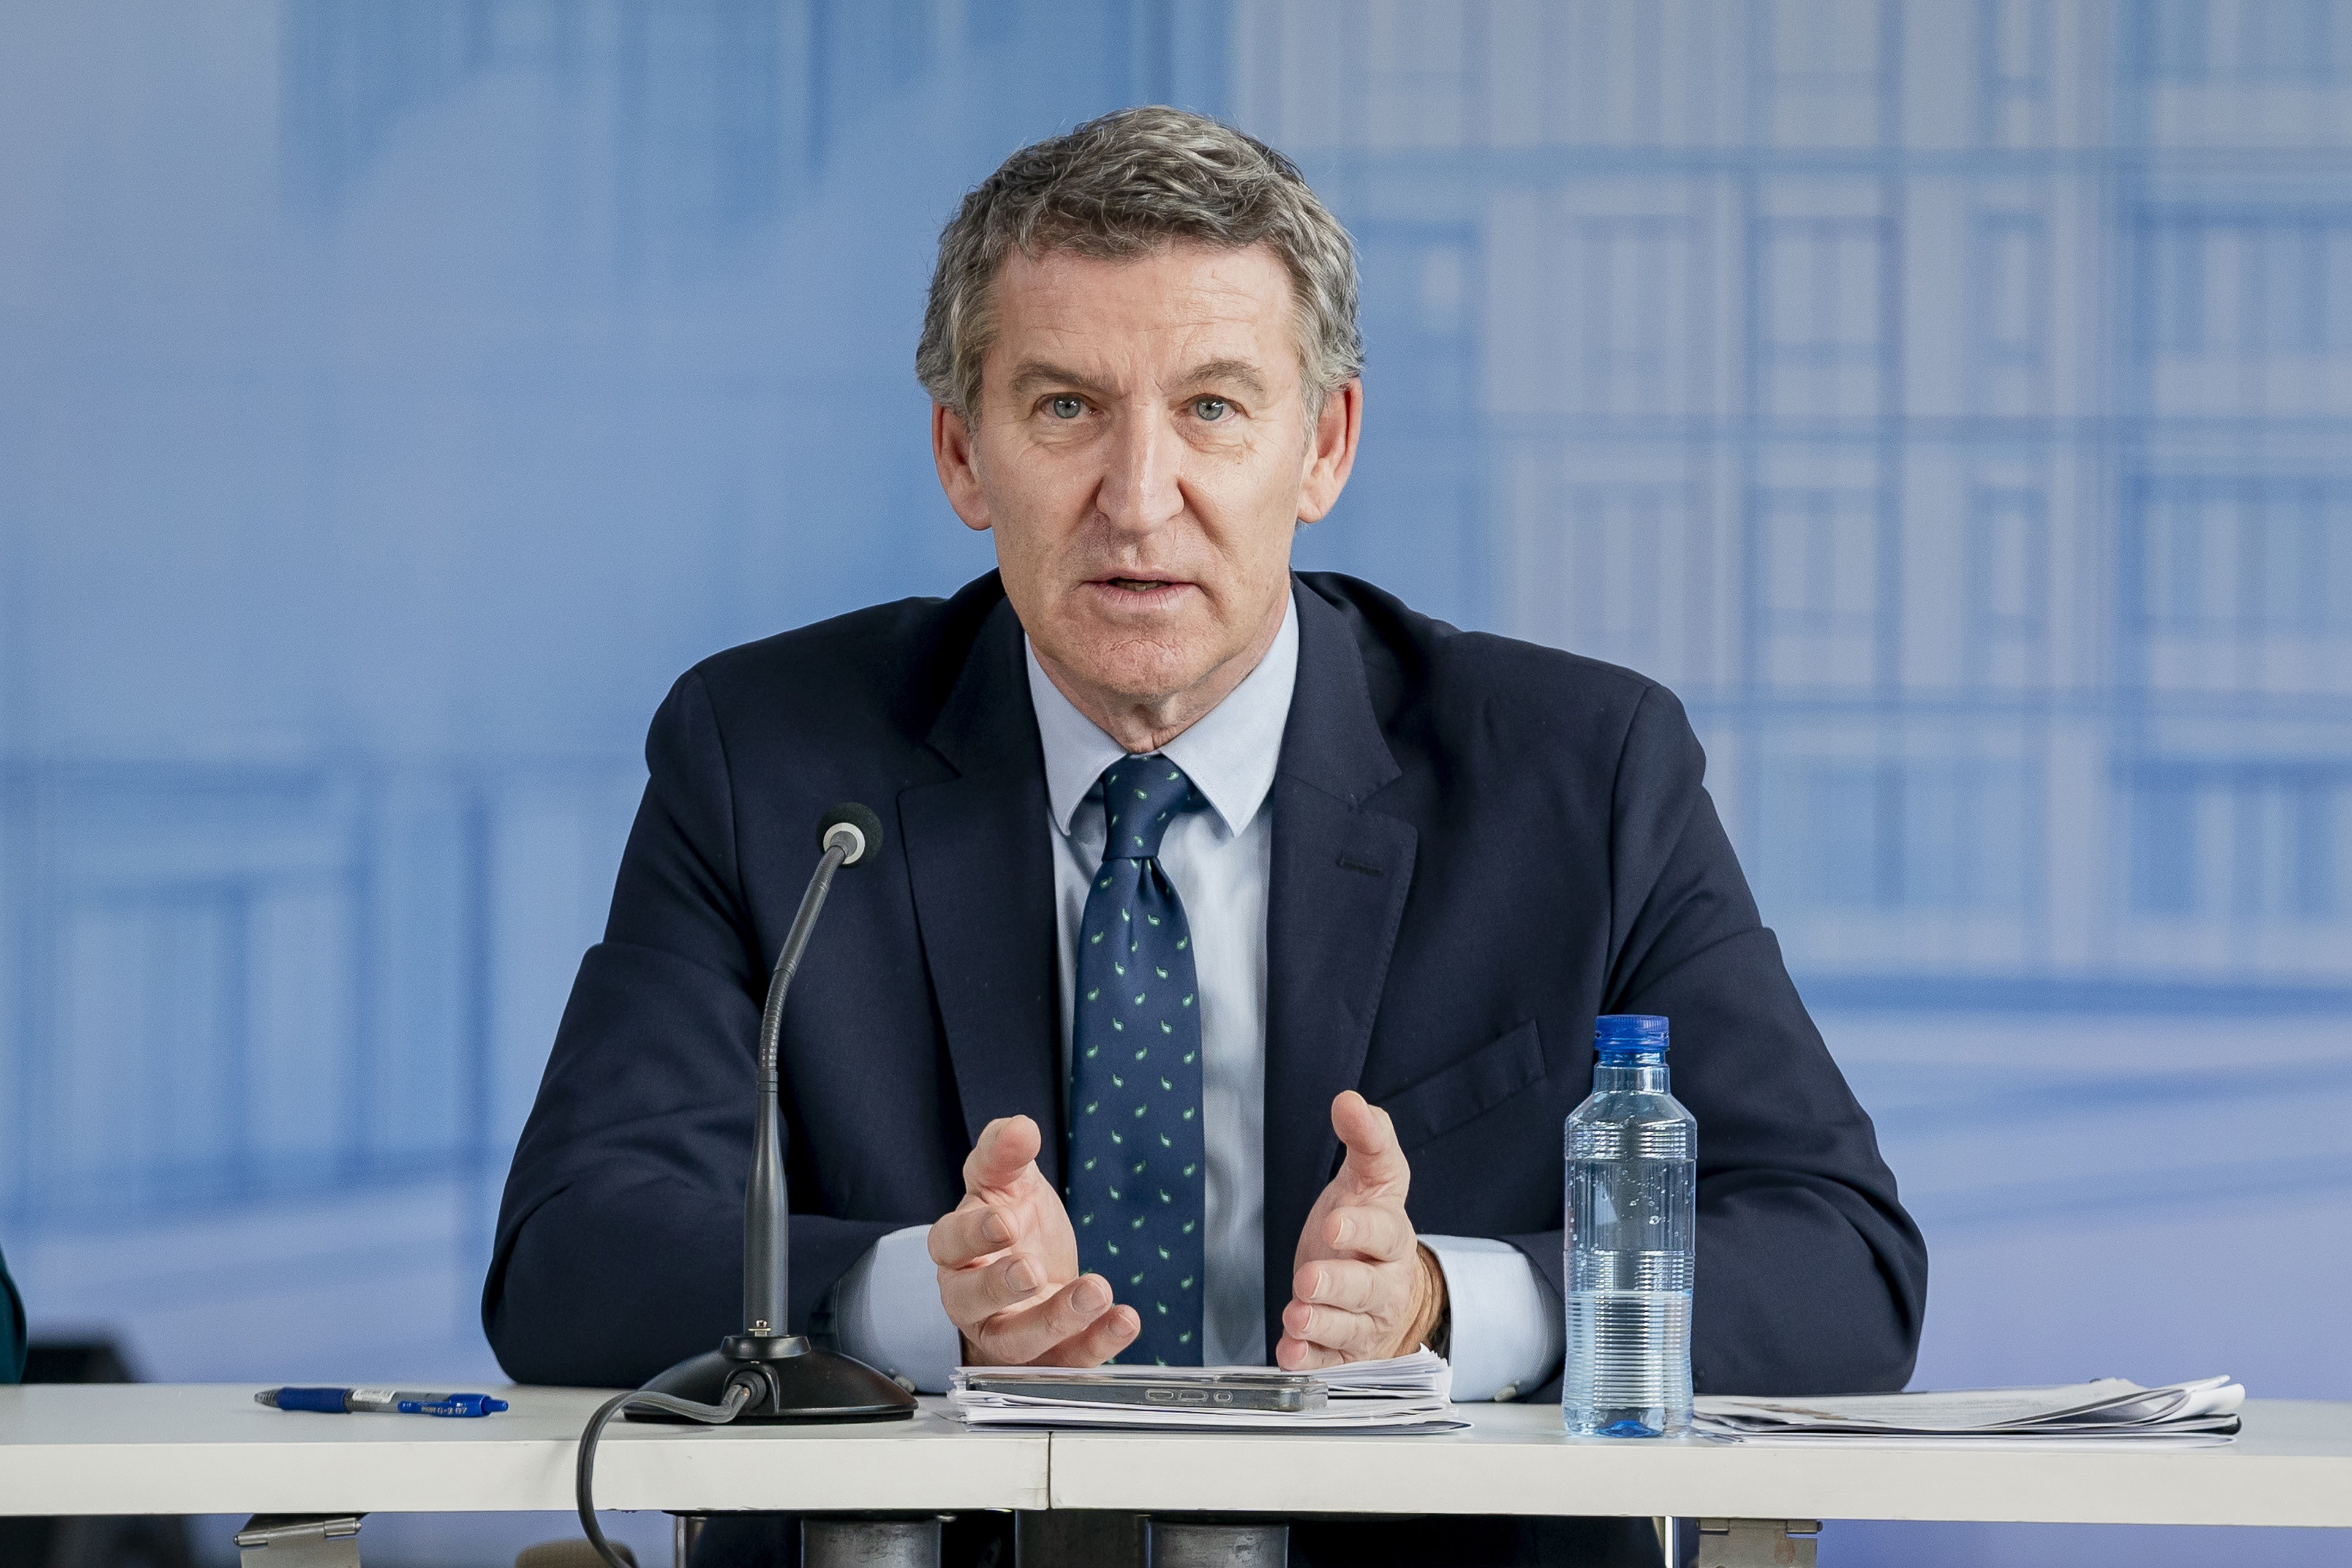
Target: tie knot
1142, 796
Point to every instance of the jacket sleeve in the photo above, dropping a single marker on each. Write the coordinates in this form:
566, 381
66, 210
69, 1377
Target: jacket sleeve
620, 1241
1812, 1279
12, 1329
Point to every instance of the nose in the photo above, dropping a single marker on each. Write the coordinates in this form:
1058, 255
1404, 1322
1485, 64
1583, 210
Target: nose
1140, 489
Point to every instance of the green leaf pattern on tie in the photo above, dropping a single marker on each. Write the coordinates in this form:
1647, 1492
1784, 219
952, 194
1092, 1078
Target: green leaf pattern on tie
1160, 1191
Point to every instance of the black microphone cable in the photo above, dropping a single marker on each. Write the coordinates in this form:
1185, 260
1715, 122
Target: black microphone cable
739, 1395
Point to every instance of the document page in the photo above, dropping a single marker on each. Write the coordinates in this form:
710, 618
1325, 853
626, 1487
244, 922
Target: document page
1411, 1392
2107, 1408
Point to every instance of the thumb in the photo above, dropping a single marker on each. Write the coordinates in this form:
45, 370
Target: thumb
1373, 1159
1007, 1148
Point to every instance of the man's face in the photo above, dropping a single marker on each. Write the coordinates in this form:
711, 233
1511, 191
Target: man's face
1143, 454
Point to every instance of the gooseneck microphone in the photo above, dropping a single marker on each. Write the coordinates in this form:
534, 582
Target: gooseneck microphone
847, 834
766, 1373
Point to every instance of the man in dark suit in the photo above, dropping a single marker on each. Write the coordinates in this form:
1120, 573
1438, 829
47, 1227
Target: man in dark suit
1387, 874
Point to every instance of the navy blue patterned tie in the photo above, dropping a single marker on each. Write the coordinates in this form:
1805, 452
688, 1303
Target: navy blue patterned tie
1136, 1165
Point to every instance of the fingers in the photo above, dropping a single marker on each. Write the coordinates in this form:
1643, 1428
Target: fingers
1377, 1232
1351, 1286
1374, 1158
1074, 1326
1355, 1336
970, 1235
1007, 1147
972, 1296
1293, 1354
1098, 1342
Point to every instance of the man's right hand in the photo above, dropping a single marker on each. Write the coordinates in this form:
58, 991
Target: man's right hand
1009, 1263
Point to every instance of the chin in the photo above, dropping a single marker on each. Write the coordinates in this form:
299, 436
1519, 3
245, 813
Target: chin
1140, 671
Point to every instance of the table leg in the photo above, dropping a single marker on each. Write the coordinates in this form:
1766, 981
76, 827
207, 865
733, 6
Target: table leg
1077, 1538
1757, 1542
300, 1541
850, 1542
1191, 1543
685, 1530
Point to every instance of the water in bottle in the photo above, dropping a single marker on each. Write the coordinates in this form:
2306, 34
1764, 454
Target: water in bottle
1631, 1239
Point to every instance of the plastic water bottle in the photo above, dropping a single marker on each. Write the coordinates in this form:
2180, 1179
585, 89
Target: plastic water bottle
1632, 1241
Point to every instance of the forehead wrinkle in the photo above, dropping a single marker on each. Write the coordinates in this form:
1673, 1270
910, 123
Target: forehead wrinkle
1215, 321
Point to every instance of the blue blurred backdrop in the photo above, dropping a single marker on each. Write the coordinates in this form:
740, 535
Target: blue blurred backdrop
1949, 398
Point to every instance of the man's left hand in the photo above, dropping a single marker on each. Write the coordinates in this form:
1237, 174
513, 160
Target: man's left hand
1364, 1287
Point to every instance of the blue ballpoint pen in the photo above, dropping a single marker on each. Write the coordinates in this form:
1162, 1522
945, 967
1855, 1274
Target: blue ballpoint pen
381, 1401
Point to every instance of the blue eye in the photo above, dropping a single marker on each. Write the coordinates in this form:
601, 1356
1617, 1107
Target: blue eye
1210, 408
1066, 407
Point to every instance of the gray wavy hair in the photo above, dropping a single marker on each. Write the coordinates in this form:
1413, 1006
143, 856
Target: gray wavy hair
1124, 185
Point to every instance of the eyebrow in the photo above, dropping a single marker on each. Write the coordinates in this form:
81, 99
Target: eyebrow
1037, 372
1233, 372
1033, 375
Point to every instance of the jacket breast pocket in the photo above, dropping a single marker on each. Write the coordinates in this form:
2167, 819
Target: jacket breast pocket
1472, 1087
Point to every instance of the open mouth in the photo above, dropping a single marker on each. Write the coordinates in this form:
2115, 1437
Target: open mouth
1136, 584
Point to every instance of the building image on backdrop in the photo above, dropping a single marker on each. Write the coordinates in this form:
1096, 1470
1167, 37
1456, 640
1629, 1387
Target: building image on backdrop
1950, 399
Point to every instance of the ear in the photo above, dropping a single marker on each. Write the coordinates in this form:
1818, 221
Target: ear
1331, 452
954, 453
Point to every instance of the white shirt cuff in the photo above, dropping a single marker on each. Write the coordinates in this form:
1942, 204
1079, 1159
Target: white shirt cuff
1507, 1334
887, 1312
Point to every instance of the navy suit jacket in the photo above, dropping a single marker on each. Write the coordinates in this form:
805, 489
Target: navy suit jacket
1478, 845
11, 1328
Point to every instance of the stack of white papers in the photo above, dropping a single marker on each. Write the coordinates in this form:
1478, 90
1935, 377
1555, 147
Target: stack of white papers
1405, 1394
2107, 1412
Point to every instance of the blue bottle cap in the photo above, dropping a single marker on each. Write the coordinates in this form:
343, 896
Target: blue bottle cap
1616, 1033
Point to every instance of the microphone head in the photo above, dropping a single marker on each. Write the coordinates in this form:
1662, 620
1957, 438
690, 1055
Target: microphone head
858, 830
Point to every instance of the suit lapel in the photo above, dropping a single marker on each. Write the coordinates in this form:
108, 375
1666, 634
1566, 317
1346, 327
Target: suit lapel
1339, 878
982, 872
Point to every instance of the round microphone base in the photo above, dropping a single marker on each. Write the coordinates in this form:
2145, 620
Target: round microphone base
800, 1384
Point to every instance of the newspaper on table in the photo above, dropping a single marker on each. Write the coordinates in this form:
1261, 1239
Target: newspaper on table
2109, 1412
1404, 1393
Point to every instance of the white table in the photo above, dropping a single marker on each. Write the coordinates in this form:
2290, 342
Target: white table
161, 1448
2292, 1466
69, 1449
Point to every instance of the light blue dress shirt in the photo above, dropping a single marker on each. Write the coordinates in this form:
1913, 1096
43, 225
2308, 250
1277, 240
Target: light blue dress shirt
1507, 1329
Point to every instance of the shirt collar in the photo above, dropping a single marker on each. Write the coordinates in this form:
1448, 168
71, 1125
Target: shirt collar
1230, 752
